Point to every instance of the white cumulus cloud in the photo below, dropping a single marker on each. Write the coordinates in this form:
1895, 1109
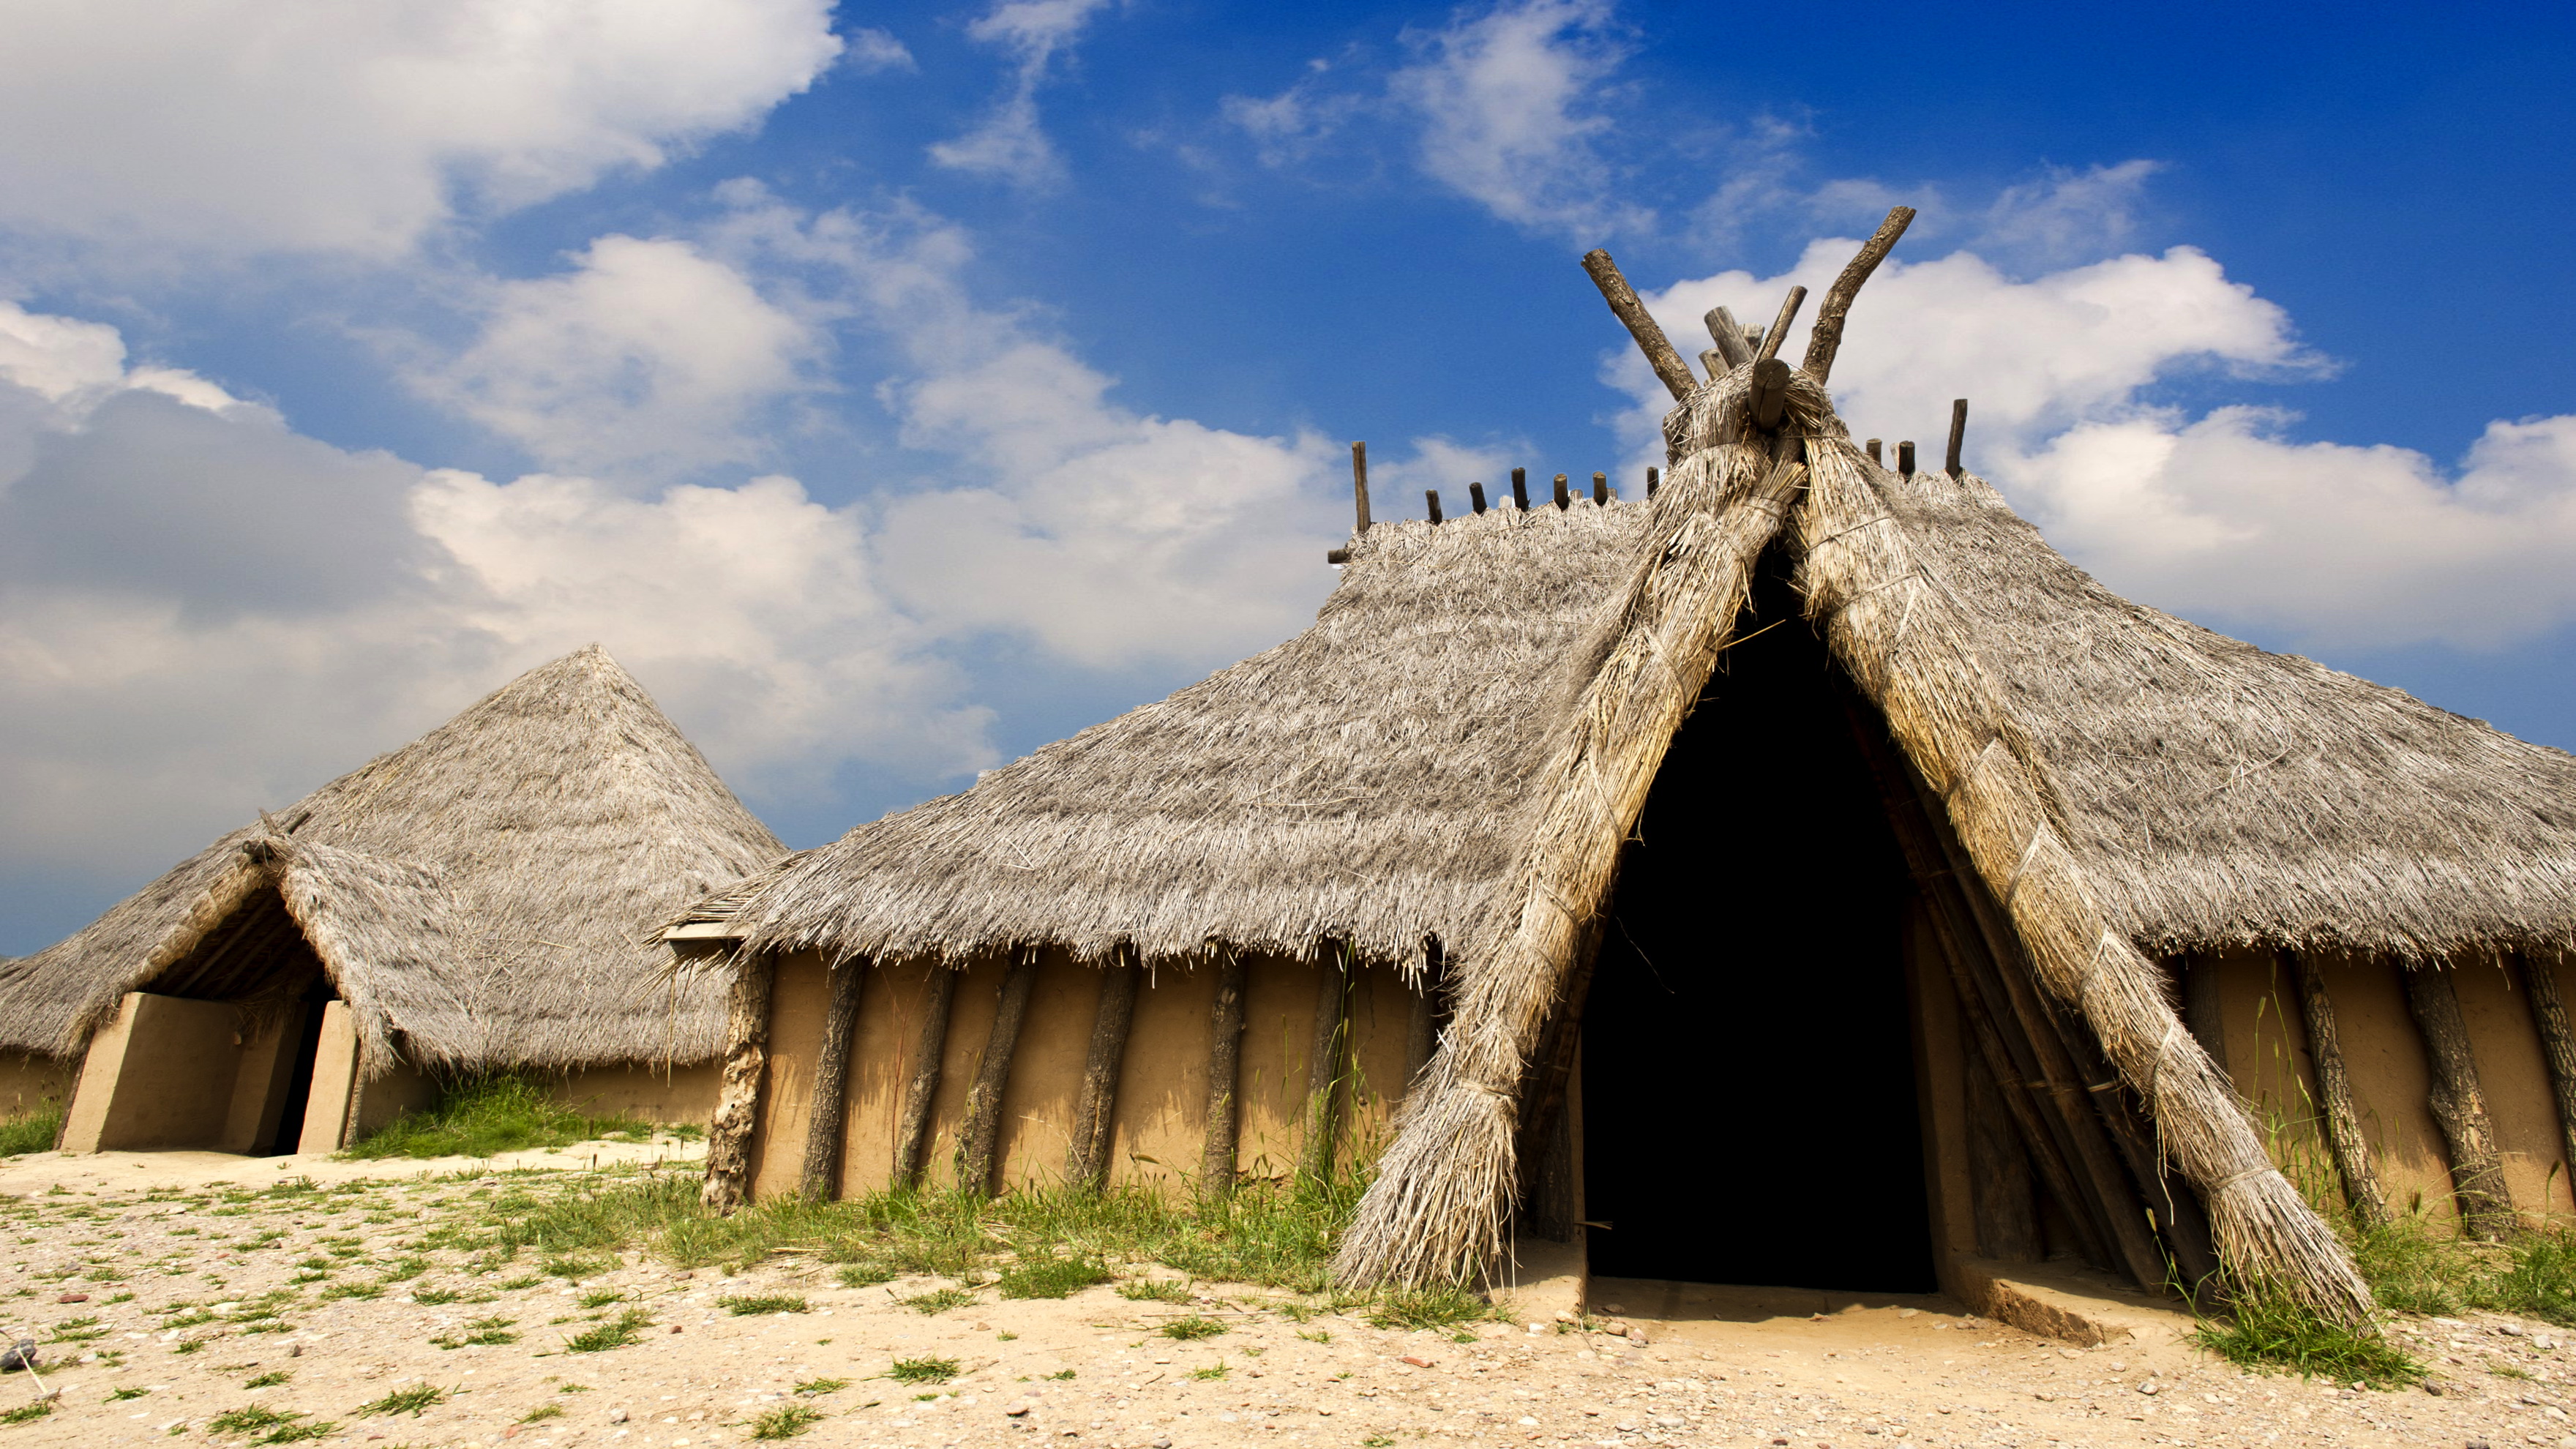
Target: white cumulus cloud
245, 125
647, 354
1011, 141
2225, 517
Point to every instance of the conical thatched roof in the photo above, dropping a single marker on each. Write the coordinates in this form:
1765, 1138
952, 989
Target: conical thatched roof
484, 896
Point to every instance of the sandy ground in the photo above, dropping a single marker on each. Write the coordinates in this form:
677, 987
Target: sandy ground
173, 1291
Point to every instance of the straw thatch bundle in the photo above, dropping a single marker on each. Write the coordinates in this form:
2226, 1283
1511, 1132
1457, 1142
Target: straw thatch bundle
1911, 647
481, 897
1443, 1190
1361, 781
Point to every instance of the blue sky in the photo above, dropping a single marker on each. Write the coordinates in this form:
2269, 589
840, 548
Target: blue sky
895, 389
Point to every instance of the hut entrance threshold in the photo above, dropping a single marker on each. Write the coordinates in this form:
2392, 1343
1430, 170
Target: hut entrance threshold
1748, 1097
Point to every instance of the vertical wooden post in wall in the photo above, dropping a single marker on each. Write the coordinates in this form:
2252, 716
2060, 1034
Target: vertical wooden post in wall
1999, 1187
1422, 1016
821, 1178
2459, 1104
2091, 1206
746, 1059
1225, 1062
2334, 1092
1324, 1065
913, 1132
993, 1076
2557, 1043
1086, 1159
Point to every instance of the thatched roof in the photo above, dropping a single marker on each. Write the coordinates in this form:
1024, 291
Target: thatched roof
1360, 780
1364, 777
2219, 794
483, 896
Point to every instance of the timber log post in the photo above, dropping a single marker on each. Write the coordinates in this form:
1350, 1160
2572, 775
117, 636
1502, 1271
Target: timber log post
1225, 1061
993, 1076
746, 1061
1086, 1164
2334, 1093
939, 989
1324, 1065
820, 1180
1999, 1186
2557, 1043
2460, 1105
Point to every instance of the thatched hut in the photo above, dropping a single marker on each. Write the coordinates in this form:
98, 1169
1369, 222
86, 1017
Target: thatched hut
1811, 877
482, 898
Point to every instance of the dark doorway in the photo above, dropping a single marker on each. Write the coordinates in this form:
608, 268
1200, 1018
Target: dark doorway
1748, 1071
299, 1077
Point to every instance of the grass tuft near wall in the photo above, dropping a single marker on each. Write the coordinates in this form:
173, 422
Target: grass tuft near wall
1031, 1242
481, 1116
35, 1131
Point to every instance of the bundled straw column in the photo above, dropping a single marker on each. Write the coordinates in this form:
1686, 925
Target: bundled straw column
1903, 642
1444, 1188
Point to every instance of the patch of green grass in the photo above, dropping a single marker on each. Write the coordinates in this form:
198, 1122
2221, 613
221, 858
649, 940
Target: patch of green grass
269, 1380
78, 1330
1376, 1441
482, 1116
541, 1413
1211, 1373
1059, 1374
294, 1433
617, 1333
249, 1419
523, 1281
756, 1304
1443, 1307
1316, 1335
600, 1298
1052, 1277
480, 1333
1192, 1327
1156, 1290
403, 1270
433, 1296
786, 1421
415, 1401
29, 1413
360, 1291
939, 1301
822, 1386
864, 1275
571, 1267
2266, 1330
922, 1370
34, 1131
116, 1396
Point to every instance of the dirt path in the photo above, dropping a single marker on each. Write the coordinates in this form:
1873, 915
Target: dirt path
178, 1297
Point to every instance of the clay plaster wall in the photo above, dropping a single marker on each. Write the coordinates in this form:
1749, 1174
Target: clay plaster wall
2266, 1053
1159, 1116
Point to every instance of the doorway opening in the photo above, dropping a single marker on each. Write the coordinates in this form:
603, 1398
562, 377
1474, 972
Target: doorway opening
298, 1087
1749, 1110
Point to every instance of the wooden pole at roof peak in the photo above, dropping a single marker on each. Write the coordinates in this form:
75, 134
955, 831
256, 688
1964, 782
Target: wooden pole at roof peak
1827, 338
1359, 484
1958, 436
1641, 325
1779, 332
